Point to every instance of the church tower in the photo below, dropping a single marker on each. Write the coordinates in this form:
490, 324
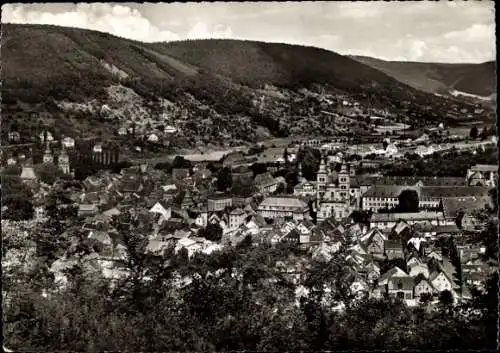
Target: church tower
344, 178
63, 161
47, 156
321, 179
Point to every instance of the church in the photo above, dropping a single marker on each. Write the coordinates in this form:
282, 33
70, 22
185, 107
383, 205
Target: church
337, 194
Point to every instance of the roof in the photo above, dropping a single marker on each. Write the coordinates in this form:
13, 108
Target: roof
28, 173
484, 168
453, 205
237, 211
111, 212
219, 196
283, 202
241, 169
406, 282
393, 244
385, 191
409, 181
87, 207
392, 273
391, 217
448, 191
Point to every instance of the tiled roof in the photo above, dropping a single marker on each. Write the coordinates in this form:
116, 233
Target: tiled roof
453, 205
237, 211
485, 168
409, 181
406, 282
385, 191
393, 244
448, 191
417, 216
283, 202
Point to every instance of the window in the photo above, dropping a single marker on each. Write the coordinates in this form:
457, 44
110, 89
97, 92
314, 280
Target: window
401, 295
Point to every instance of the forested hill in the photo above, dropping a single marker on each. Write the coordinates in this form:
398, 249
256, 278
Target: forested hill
477, 79
49, 68
54, 59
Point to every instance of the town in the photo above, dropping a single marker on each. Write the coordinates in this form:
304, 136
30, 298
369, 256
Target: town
391, 230
268, 177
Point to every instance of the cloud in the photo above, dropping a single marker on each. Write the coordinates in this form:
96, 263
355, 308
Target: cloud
204, 31
115, 19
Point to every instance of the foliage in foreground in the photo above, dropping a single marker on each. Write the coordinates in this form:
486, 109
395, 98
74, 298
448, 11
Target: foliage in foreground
237, 300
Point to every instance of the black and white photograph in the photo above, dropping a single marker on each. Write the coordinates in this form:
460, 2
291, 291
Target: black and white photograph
249, 176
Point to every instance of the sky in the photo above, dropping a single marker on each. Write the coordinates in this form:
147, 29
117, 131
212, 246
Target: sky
443, 31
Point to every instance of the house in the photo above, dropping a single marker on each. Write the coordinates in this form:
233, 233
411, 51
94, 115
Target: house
435, 255
401, 230
471, 222
401, 287
202, 218
233, 158
180, 174
87, 210
393, 272
475, 279
14, 136
305, 189
103, 238
218, 202
68, 142
372, 272
111, 213
374, 241
265, 183
283, 207
236, 218
389, 220
305, 228
440, 281
482, 174
28, 175
418, 268
163, 209
423, 287
393, 249
156, 246
456, 206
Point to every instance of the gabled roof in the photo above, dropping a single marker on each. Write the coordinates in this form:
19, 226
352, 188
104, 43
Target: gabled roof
283, 202
393, 272
237, 212
393, 244
416, 216
28, 173
428, 192
484, 168
407, 283
453, 205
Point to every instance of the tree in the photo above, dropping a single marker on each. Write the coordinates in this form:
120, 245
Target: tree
212, 231
224, 179
446, 299
408, 201
48, 173
180, 162
17, 207
361, 216
473, 132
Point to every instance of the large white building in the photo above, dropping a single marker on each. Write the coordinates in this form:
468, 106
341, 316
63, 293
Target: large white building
482, 175
337, 194
283, 207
